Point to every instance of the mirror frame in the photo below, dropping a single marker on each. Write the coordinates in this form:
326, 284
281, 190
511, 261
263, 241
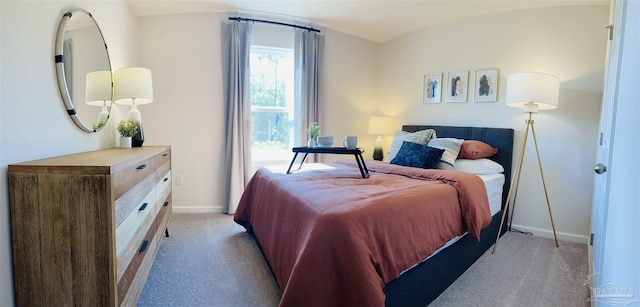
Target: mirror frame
60, 71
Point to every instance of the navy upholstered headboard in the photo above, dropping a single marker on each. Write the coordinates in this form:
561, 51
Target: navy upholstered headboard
500, 138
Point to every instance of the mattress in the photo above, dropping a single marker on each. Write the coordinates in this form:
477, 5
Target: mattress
493, 183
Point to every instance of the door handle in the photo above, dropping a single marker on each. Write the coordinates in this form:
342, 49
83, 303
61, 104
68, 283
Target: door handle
600, 168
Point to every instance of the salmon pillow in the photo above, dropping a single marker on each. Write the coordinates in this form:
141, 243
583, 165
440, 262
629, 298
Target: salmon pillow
474, 150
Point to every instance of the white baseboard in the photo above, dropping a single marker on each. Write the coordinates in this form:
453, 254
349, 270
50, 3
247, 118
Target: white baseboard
546, 233
180, 209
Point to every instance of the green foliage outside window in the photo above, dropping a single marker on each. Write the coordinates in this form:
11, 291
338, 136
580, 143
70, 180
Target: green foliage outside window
269, 129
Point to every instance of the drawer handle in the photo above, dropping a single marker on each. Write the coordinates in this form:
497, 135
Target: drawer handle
164, 154
165, 179
143, 166
144, 246
166, 203
144, 206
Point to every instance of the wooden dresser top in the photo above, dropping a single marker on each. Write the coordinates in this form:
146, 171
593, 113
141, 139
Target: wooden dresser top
106, 161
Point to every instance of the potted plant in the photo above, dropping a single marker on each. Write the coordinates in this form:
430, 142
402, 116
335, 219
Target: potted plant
312, 132
127, 130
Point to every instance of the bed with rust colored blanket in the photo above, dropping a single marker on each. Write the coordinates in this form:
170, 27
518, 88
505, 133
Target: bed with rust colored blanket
335, 239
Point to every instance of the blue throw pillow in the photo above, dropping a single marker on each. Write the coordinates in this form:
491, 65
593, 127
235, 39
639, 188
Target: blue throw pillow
417, 155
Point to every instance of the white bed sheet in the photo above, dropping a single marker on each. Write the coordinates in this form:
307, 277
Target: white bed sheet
494, 184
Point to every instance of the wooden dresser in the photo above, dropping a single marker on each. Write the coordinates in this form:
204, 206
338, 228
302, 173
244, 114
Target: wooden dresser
86, 227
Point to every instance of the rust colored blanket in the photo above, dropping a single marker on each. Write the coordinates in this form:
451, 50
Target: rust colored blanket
335, 239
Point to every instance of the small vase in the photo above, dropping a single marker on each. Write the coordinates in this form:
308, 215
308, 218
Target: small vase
311, 143
138, 139
125, 142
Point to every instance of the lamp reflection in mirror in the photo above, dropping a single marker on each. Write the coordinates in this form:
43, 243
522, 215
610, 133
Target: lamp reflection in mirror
134, 86
379, 126
98, 93
530, 92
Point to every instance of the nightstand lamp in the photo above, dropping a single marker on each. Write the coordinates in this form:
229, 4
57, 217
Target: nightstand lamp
379, 126
134, 86
530, 92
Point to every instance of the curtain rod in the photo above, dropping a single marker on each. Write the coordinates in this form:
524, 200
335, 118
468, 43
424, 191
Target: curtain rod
274, 22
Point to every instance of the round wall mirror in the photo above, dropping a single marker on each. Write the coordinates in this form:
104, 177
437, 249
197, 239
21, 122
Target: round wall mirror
83, 69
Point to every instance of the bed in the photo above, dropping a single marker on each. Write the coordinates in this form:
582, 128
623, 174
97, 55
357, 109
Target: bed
331, 240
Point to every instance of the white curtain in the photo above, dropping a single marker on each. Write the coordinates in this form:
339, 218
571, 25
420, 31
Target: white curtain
236, 45
309, 48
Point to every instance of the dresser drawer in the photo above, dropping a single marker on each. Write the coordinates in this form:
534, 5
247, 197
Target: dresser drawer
128, 202
131, 232
128, 177
164, 214
161, 173
163, 157
132, 282
163, 189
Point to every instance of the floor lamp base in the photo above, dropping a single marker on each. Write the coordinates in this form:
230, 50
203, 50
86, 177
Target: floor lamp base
516, 180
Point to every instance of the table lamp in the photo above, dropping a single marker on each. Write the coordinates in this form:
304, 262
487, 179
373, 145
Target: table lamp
98, 92
380, 125
531, 92
133, 86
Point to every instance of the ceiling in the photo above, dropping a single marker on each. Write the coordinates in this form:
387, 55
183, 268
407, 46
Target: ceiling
375, 20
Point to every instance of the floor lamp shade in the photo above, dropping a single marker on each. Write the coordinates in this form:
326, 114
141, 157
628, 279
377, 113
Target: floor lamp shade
525, 89
380, 125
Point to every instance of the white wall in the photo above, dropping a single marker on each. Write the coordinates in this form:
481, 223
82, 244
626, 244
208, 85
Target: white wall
543, 40
34, 123
184, 53
350, 93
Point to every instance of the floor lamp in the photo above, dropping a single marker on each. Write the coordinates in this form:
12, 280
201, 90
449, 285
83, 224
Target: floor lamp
530, 92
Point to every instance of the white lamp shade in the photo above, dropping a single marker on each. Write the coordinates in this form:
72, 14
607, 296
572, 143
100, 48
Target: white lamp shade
381, 125
98, 88
533, 88
133, 83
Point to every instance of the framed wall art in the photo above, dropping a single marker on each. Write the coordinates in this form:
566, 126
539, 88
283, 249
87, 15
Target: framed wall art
432, 88
486, 85
457, 84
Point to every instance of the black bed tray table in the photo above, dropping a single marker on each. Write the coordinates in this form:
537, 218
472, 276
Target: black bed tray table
357, 153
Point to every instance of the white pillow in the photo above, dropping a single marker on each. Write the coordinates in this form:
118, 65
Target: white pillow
482, 166
420, 137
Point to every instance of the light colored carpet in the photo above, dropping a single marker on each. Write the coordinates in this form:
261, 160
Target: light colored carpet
210, 261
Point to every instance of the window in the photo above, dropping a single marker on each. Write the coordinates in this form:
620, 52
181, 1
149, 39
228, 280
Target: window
272, 105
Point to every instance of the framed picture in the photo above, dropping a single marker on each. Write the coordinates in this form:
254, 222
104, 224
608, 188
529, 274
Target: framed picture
486, 86
457, 86
432, 88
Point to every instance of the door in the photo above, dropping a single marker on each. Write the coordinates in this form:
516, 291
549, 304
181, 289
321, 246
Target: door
615, 249
601, 189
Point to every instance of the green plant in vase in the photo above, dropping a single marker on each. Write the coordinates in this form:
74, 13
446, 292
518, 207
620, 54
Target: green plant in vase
127, 128
312, 132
